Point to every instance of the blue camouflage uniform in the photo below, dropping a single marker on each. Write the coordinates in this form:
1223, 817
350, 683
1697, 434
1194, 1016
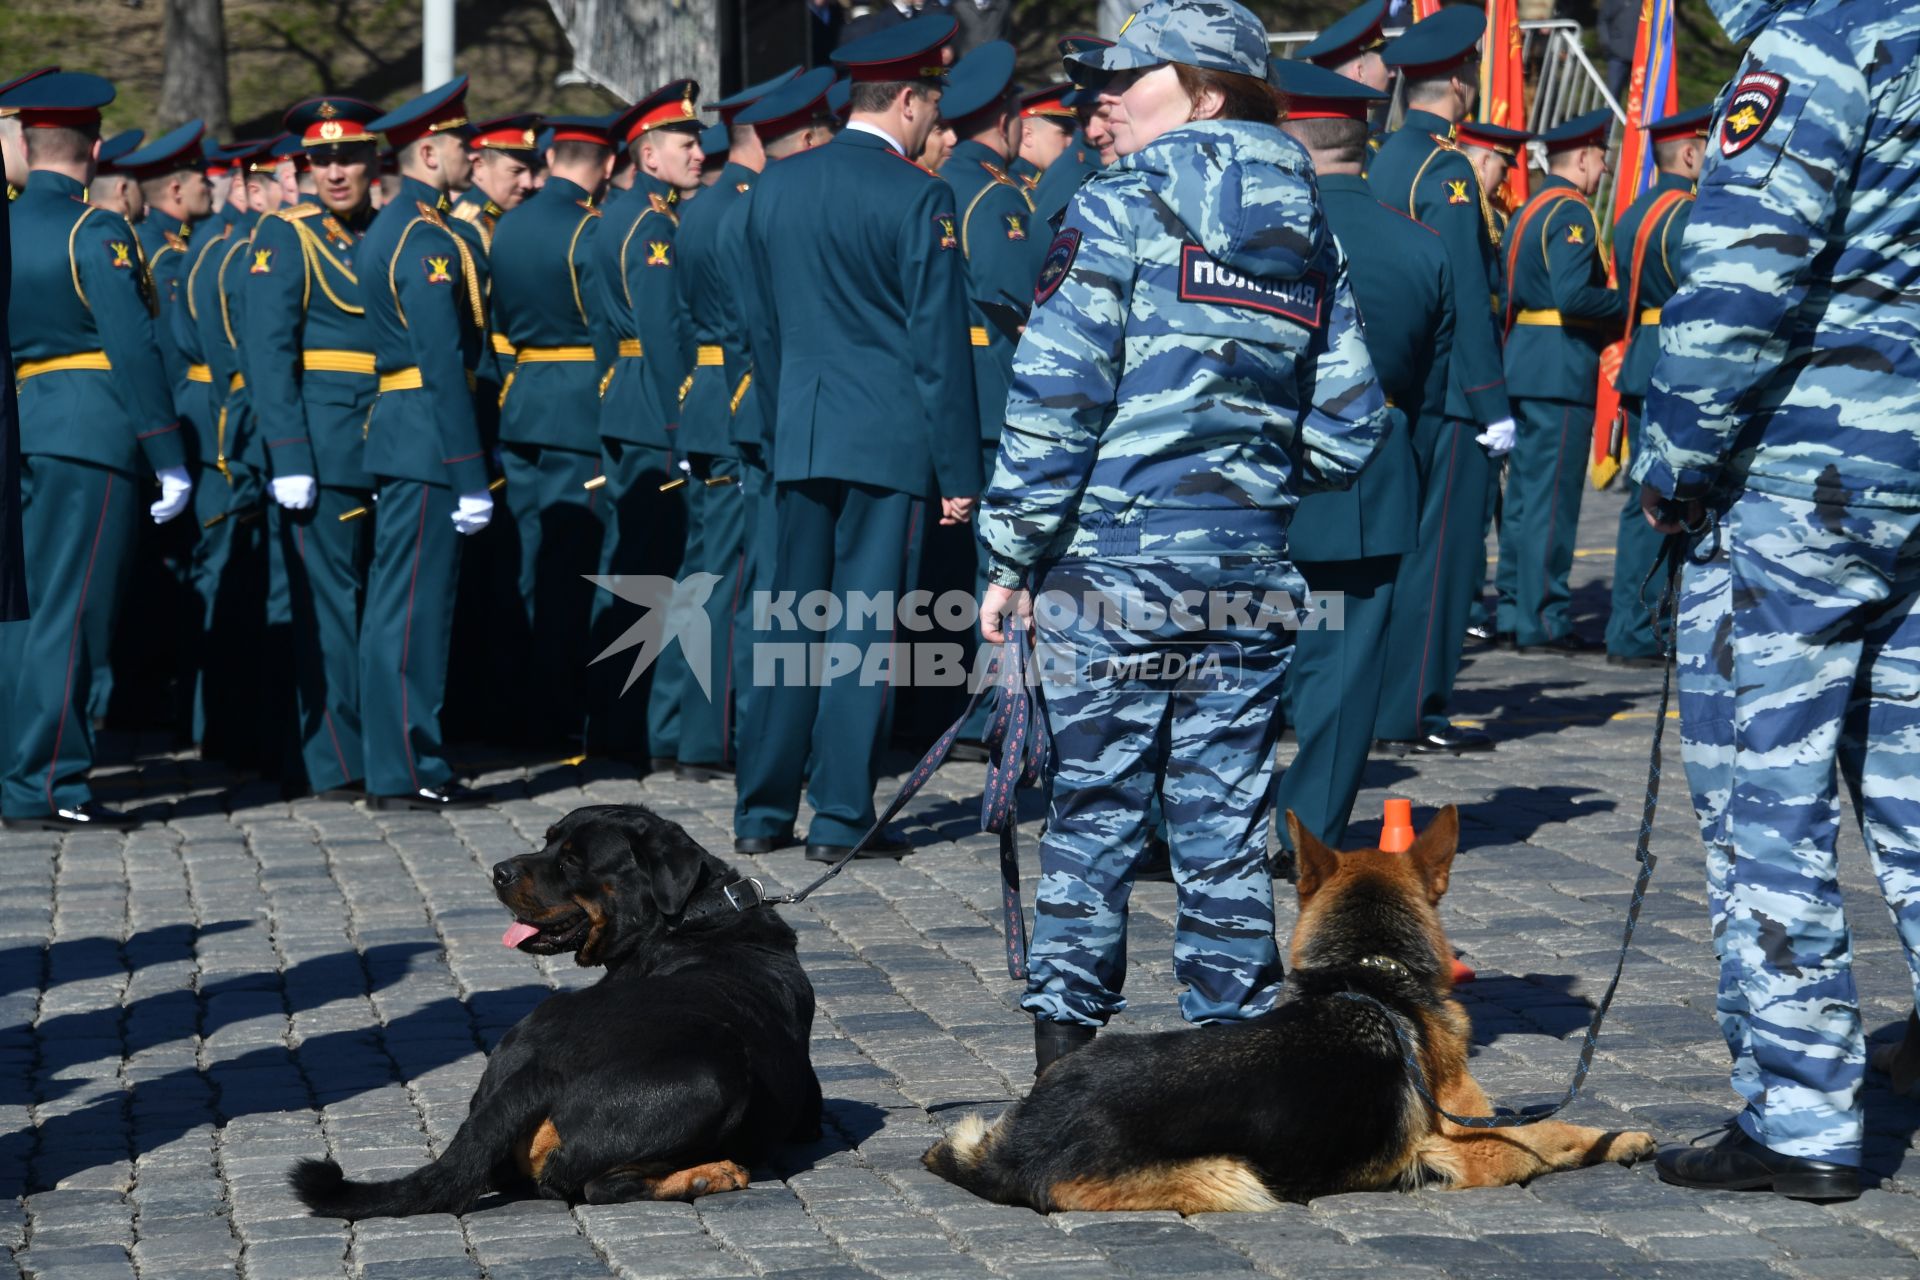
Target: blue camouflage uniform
312, 381
96, 419
1785, 399
1194, 363
1630, 632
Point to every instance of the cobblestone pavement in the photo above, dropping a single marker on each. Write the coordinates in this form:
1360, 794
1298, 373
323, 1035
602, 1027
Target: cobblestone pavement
189, 1008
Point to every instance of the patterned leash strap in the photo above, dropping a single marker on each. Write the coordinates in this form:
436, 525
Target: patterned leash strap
1018, 754
1672, 552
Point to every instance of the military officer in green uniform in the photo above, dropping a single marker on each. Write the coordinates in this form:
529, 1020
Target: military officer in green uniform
1351, 47
427, 319
311, 383
549, 416
873, 408
1351, 541
1560, 311
716, 497
1646, 241
634, 263
177, 198
1052, 140
1419, 171
96, 416
502, 170
788, 121
113, 190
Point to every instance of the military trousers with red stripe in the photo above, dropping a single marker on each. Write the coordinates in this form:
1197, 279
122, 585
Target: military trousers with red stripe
78, 524
406, 633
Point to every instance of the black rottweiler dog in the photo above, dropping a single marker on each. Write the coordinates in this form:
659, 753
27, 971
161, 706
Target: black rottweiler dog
686, 1062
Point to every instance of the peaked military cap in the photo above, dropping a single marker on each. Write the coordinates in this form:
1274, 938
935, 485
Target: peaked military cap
671, 106
257, 155
1084, 94
1054, 102
715, 141
1357, 33
217, 156
169, 153
840, 97
1589, 130
912, 50
1315, 93
1691, 123
116, 148
15, 83
440, 110
289, 146
978, 81
59, 99
543, 143
792, 107
519, 132
734, 104
1491, 137
330, 121
1214, 35
1437, 43
597, 130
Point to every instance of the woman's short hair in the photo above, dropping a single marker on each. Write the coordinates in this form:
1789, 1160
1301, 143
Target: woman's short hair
1241, 97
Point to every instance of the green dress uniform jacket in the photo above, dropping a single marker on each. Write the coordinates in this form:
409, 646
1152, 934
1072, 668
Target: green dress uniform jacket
165, 242
636, 265
96, 412
1054, 192
1003, 262
709, 262
1563, 309
539, 304
1419, 171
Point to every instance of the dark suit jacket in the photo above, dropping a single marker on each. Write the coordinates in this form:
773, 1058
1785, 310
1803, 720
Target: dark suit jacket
13, 569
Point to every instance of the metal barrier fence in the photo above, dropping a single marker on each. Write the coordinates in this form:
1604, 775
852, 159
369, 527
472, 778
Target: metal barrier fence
1562, 83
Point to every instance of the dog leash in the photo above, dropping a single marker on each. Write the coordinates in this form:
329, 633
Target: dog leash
1016, 753
1672, 552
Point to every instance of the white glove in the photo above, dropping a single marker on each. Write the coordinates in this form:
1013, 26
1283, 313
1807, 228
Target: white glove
295, 493
175, 488
1498, 438
473, 512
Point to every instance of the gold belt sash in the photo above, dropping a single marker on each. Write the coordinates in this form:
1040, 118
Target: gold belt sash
710, 355
554, 355
324, 360
1555, 319
408, 379
630, 347
502, 345
200, 373
238, 382
978, 335
1650, 316
96, 360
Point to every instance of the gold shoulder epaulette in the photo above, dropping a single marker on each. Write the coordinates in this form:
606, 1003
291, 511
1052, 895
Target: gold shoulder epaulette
1443, 142
590, 207
467, 213
293, 213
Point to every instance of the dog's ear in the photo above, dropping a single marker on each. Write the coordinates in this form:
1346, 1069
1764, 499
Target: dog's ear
672, 861
1314, 862
1433, 851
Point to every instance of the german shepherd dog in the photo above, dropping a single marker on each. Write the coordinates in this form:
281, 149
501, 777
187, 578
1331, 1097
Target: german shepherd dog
1311, 1099
683, 1064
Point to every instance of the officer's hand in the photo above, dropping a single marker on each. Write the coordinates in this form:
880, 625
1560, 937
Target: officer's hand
999, 604
175, 488
1498, 438
956, 510
1666, 515
295, 493
473, 512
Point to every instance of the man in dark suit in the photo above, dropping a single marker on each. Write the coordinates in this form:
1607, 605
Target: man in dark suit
858, 328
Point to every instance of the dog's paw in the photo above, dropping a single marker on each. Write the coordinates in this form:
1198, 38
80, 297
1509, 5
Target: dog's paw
701, 1180
1629, 1147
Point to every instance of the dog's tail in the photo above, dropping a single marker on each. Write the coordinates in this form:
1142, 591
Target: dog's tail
971, 1156
450, 1184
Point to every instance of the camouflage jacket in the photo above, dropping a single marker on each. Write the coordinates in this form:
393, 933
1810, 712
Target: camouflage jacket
1194, 362
1790, 356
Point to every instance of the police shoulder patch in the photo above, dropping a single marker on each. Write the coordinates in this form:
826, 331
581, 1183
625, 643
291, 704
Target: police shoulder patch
1754, 105
1204, 280
1059, 261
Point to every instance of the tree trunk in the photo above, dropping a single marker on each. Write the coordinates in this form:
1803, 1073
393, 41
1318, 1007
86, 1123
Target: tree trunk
195, 80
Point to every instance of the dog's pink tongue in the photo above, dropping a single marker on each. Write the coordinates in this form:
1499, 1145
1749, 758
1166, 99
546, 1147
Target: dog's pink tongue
517, 933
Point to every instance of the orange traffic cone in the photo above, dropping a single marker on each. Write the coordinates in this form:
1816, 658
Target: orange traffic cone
1396, 836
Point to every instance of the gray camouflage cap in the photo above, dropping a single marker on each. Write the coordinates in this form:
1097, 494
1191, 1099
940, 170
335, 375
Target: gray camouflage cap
1215, 35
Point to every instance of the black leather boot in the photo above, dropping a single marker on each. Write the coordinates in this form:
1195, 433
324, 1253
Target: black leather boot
1053, 1041
1738, 1163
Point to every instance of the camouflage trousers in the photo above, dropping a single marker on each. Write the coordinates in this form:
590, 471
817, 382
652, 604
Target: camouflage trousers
1188, 706
1799, 650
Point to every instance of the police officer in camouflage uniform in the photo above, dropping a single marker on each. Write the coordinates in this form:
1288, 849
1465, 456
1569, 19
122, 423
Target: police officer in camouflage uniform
1155, 443
1785, 410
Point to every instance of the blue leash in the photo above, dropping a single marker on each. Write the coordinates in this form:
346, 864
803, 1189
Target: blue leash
1017, 754
1675, 549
